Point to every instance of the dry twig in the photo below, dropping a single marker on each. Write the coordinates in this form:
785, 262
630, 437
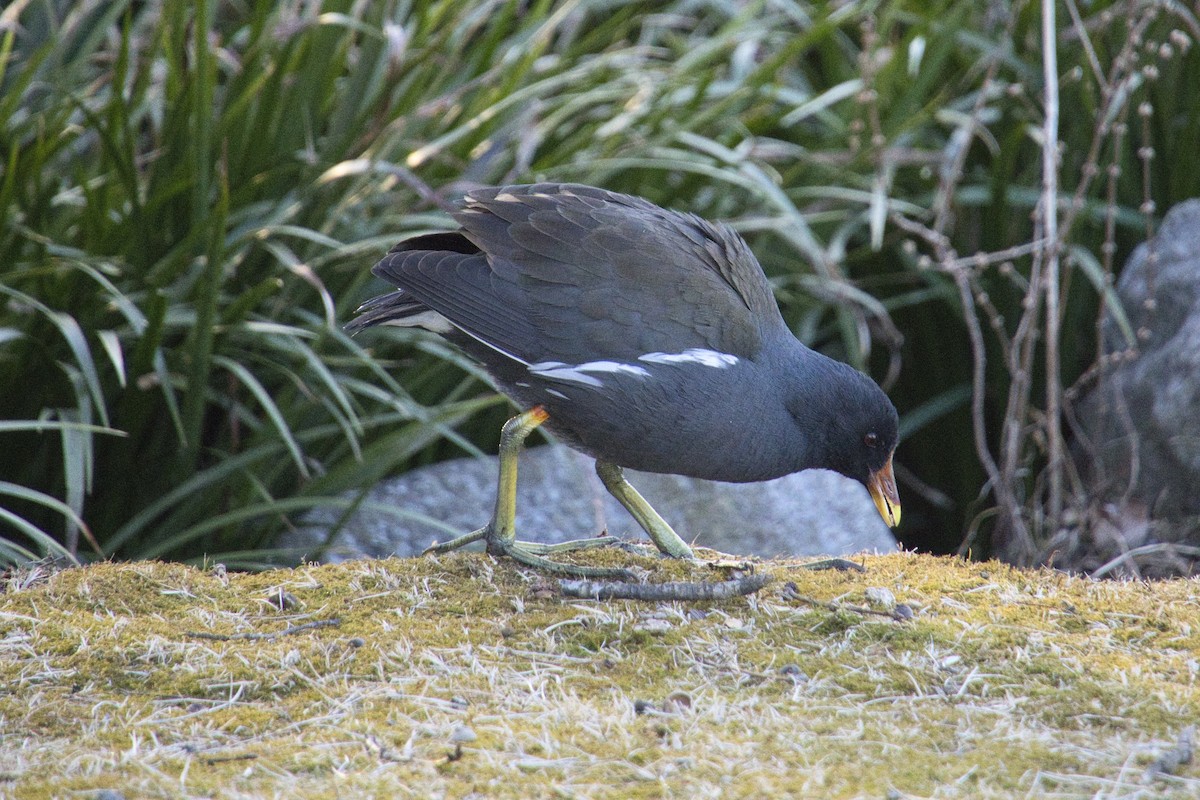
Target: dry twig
900, 613
663, 592
229, 637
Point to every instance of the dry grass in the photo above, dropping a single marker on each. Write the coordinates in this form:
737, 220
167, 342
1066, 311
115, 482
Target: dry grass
154, 680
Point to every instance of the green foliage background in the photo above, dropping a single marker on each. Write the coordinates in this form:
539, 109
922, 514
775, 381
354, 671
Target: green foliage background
191, 196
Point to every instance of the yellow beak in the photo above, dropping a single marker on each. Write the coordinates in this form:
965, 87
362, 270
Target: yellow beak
882, 486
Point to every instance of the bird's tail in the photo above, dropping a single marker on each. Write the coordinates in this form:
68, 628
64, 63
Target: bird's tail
396, 308
400, 308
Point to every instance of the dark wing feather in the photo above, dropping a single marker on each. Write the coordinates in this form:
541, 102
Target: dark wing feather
561, 272
462, 288
588, 258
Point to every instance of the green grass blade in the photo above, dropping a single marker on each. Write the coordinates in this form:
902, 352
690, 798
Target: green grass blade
274, 414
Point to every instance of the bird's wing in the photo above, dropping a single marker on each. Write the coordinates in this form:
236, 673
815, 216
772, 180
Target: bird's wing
572, 274
461, 286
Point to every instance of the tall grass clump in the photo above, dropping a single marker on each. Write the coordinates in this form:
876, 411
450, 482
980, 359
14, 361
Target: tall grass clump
177, 382
191, 195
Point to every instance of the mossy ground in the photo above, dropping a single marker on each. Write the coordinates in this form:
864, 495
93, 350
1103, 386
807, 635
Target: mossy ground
1003, 684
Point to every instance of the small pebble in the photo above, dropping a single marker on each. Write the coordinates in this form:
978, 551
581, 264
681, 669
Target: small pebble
794, 672
653, 625
881, 597
463, 735
284, 601
677, 703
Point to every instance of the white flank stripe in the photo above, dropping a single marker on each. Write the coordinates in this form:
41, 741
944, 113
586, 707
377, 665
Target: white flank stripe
694, 355
499, 350
557, 393
578, 373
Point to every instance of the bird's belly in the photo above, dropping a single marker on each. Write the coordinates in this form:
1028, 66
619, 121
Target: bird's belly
713, 434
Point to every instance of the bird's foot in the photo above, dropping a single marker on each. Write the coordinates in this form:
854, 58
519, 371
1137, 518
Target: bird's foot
541, 549
517, 552
438, 548
532, 554
647, 549
637, 547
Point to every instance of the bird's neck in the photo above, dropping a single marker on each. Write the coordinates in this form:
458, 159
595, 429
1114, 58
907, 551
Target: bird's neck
813, 390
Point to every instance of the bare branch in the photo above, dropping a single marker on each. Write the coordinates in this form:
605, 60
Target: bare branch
229, 637
1049, 209
663, 592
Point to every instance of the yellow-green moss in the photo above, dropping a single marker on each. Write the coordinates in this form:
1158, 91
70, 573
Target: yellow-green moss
1005, 683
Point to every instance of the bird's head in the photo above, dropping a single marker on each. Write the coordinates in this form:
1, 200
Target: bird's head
874, 466
855, 428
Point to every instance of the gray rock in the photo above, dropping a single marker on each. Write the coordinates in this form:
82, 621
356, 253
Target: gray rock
1141, 423
560, 498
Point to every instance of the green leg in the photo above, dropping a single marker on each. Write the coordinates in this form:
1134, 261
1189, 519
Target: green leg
667, 540
500, 534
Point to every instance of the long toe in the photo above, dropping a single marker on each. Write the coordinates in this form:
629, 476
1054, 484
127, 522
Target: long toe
523, 556
437, 548
537, 548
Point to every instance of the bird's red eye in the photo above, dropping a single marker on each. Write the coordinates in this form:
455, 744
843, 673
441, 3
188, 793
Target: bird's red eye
871, 440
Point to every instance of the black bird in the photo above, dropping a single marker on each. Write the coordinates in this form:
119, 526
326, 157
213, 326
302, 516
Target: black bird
643, 337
